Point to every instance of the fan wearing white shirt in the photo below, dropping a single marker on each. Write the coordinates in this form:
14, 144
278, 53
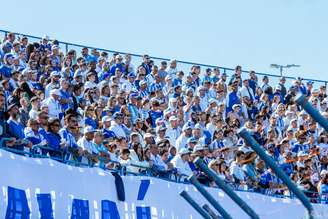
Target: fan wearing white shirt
86, 143
183, 138
54, 84
54, 108
35, 103
116, 125
180, 162
246, 91
173, 131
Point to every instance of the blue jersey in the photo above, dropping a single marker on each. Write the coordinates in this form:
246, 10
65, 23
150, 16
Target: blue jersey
53, 140
5, 71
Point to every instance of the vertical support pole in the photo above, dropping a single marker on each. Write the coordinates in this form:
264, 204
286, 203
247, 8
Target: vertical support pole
226, 188
209, 197
201, 211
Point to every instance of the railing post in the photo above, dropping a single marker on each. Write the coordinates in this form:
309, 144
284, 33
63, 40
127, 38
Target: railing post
210, 212
226, 188
201, 211
209, 197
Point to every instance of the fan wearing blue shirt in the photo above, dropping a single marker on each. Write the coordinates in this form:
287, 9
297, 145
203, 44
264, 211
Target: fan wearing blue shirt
155, 113
54, 139
299, 145
118, 65
89, 117
66, 100
6, 69
16, 129
232, 97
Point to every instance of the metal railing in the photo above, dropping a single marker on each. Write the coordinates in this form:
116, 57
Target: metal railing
183, 65
171, 177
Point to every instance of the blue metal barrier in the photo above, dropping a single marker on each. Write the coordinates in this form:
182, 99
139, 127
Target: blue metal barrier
226, 70
209, 197
194, 204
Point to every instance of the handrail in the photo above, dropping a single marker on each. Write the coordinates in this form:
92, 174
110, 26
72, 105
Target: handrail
317, 199
163, 59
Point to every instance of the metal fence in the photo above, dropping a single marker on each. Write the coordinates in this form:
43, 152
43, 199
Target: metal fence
171, 176
182, 65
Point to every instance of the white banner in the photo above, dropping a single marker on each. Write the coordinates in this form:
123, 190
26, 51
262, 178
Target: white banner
54, 189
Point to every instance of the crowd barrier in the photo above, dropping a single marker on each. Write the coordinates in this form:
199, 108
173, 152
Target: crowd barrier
169, 176
34, 187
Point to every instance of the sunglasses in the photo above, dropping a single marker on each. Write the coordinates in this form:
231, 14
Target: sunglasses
56, 125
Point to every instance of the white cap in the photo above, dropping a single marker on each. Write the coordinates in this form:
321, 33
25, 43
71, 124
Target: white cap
235, 106
54, 73
88, 129
172, 118
323, 172
55, 92
198, 147
184, 151
106, 119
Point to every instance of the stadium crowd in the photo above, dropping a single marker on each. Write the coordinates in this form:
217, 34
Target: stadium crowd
105, 110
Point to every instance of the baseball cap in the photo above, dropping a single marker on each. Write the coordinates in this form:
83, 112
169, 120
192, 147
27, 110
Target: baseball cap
106, 119
172, 118
54, 74
88, 129
142, 82
117, 115
54, 47
133, 95
186, 127
235, 106
198, 148
184, 151
192, 140
8, 56
55, 92
11, 106
160, 128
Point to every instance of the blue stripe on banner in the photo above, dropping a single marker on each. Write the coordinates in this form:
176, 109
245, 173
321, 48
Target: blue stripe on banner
45, 206
17, 204
143, 212
143, 188
109, 210
80, 209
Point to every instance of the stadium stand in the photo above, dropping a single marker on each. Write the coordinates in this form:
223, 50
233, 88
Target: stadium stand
145, 115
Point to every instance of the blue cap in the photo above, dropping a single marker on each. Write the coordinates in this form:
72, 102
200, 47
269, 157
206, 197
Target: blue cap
192, 140
133, 95
105, 75
309, 82
8, 56
131, 75
117, 115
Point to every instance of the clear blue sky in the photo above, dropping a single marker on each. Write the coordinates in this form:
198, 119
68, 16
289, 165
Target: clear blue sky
252, 33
